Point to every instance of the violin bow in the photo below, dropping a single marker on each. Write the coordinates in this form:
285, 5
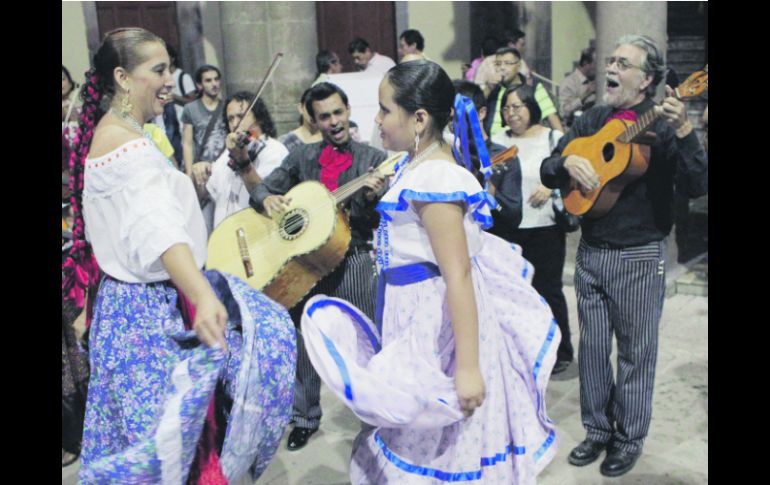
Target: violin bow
273, 66
270, 71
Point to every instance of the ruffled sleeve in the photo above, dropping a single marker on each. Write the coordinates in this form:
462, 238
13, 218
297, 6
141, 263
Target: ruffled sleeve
135, 210
154, 221
439, 181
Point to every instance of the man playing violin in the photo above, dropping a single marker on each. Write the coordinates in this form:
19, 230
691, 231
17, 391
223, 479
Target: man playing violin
252, 154
334, 161
620, 267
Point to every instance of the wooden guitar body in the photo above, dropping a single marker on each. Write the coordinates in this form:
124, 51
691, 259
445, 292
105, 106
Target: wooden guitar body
615, 162
615, 157
287, 256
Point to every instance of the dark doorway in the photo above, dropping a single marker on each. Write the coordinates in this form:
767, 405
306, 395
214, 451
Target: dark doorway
491, 18
157, 17
687, 18
341, 22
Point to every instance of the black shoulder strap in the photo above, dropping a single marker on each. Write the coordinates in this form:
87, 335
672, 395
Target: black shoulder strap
181, 82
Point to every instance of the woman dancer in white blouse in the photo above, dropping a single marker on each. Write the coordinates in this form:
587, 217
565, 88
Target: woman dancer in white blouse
152, 384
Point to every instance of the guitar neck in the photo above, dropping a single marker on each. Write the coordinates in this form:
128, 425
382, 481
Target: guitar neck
345, 192
385, 168
641, 125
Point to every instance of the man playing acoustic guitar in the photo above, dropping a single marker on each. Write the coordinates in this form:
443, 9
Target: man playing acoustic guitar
334, 161
620, 267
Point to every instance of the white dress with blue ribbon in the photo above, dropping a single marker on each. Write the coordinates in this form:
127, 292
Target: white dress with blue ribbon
401, 380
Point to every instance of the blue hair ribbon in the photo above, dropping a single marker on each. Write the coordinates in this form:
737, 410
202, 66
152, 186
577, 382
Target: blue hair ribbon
465, 113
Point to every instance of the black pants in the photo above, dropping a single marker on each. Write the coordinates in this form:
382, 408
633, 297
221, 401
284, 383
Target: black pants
620, 292
546, 248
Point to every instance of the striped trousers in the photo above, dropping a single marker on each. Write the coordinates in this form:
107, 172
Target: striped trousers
620, 292
354, 280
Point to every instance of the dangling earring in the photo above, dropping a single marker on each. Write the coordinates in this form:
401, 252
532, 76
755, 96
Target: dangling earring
416, 142
125, 104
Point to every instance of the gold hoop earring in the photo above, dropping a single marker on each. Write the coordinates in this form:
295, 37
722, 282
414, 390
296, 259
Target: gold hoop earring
125, 104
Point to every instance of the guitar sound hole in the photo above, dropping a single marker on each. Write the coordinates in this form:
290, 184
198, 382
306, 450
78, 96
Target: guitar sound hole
608, 152
293, 224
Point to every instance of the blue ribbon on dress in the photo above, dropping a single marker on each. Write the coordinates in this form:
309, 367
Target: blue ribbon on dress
401, 276
465, 113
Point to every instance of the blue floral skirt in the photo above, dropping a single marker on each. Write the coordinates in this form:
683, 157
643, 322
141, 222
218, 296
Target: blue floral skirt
152, 381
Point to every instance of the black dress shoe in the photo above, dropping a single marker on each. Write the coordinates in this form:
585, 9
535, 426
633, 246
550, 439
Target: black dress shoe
298, 438
586, 452
618, 462
560, 366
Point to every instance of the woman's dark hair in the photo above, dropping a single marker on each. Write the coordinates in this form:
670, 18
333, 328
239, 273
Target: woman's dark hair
321, 91
120, 48
66, 72
323, 61
259, 111
526, 94
423, 84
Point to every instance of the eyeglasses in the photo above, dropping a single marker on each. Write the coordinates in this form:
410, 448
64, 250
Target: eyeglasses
623, 63
513, 108
507, 63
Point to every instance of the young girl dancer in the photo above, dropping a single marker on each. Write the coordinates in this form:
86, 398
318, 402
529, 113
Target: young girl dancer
453, 374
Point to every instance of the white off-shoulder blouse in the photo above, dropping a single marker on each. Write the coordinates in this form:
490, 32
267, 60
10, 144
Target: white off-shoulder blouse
136, 206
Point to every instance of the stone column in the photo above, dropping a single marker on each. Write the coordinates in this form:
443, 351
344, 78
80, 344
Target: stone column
252, 33
615, 19
535, 22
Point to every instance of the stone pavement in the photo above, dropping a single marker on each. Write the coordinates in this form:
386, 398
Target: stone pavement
676, 451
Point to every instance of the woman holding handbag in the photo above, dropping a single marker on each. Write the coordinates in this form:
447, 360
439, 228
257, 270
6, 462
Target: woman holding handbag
540, 236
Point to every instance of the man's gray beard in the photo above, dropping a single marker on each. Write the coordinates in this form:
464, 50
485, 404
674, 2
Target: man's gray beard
623, 97
618, 100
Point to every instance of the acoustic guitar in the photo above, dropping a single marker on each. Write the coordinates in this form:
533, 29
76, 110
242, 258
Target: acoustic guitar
285, 256
617, 156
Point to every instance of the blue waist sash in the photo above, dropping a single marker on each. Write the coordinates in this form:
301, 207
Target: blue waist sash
401, 276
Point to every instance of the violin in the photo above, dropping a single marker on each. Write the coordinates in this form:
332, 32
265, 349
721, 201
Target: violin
500, 162
244, 140
240, 165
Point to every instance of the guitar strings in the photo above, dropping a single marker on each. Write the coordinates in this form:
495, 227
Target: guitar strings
341, 193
